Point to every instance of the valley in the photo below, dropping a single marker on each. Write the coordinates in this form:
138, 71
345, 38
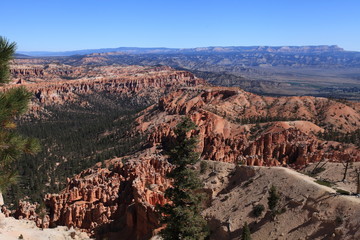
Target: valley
104, 130
105, 126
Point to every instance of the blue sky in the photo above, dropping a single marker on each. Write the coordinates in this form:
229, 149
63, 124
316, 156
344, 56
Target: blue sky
59, 25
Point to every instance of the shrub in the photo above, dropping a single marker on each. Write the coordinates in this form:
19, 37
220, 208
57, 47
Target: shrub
203, 167
273, 198
339, 220
258, 209
342, 192
324, 183
246, 235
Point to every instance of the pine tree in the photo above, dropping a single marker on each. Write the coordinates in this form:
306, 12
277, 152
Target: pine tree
273, 199
182, 217
13, 103
246, 235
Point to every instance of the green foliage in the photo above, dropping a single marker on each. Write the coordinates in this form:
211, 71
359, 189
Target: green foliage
7, 51
349, 137
324, 183
203, 167
246, 235
182, 217
258, 209
273, 199
13, 103
342, 192
264, 119
74, 138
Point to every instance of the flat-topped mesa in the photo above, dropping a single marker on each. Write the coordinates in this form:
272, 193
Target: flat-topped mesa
101, 200
59, 84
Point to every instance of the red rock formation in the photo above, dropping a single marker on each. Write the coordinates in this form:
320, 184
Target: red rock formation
120, 199
223, 139
57, 84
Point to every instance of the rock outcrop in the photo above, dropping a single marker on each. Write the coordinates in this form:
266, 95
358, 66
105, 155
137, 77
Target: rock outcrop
58, 84
223, 138
119, 198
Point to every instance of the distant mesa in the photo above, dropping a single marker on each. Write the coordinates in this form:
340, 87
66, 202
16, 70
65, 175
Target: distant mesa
214, 49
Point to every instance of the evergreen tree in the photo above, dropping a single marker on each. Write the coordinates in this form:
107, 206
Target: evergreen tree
13, 103
246, 235
182, 217
273, 199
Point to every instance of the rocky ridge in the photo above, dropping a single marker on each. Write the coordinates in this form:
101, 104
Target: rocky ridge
59, 84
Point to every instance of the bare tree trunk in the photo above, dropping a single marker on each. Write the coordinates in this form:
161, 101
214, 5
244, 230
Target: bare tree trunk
358, 180
316, 166
346, 169
1, 200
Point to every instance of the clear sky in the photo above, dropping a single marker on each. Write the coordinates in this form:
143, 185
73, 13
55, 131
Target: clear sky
59, 25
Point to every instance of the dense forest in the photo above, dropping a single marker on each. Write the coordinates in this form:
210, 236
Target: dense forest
350, 137
73, 138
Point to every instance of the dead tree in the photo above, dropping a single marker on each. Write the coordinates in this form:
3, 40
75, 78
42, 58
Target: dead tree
346, 167
346, 164
357, 171
318, 166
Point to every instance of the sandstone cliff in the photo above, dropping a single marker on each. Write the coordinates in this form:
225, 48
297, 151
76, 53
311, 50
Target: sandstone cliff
59, 84
117, 198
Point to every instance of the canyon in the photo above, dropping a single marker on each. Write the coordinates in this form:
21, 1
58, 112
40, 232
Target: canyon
239, 133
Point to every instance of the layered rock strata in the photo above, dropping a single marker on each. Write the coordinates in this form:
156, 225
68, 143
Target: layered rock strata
61, 84
121, 197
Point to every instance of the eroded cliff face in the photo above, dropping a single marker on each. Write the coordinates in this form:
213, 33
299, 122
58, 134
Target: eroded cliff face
224, 139
117, 198
59, 84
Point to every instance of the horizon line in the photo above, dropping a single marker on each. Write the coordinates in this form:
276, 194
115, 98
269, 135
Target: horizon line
180, 48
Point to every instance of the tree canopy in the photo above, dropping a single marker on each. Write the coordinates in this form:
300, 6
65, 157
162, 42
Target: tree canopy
13, 103
182, 216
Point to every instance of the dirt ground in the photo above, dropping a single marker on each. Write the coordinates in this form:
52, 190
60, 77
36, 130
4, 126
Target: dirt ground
306, 210
12, 229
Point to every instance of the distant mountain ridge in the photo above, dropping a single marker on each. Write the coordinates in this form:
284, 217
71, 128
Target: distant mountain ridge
328, 71
215, 49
